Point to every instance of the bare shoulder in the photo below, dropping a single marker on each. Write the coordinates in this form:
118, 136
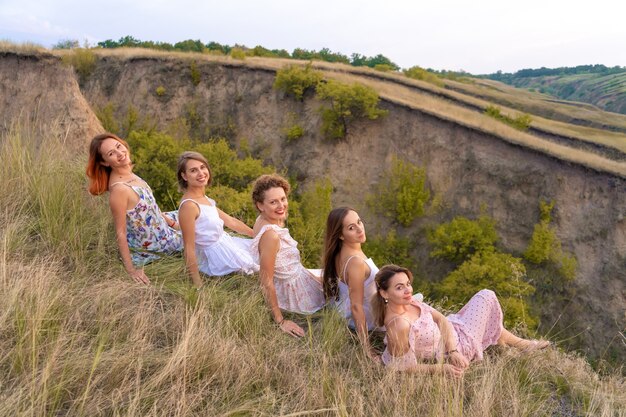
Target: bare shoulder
356, 270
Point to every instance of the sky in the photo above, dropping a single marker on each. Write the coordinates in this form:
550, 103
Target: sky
480, 36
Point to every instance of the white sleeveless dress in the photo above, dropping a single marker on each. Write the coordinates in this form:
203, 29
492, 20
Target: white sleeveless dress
217, 252
297, 290
369, 289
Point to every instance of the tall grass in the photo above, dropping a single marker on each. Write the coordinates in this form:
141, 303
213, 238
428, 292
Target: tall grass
79, 338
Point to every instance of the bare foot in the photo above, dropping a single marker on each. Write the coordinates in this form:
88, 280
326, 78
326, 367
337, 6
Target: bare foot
531, 345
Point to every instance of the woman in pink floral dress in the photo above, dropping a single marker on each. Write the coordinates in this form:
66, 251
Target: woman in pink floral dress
417, 332
286, 283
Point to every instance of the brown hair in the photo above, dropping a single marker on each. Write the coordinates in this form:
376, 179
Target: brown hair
382, 283
99, 174
264, 183
332, 247
182, 167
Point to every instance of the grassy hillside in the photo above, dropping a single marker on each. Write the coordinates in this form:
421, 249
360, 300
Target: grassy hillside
78, 337
603, 87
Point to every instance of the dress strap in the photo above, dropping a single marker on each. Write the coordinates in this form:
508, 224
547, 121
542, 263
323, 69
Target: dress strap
345, 267
120, 182
399, 317
189, 199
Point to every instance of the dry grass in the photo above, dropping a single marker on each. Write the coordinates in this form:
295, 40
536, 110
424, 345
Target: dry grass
77, 337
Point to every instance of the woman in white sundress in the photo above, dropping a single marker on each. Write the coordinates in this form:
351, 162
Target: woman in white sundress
208, 248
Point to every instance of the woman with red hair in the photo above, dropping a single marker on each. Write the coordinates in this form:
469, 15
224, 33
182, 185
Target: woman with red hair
142, 231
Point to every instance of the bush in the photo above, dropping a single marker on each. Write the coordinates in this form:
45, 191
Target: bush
294, 132
391, 249
521, 122
545, 247
194, 73
307, 220
499, 272
160, 91
238, 53
461, 238
347, 102
156, 156
296, 81
418, 73
401, 194
83, 60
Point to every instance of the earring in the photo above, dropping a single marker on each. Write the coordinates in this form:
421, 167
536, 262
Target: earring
386, 300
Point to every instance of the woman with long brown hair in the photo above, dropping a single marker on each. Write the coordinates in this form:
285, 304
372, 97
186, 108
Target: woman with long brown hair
417, 332
348, 274
142, 232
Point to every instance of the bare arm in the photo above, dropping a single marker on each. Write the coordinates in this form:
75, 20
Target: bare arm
269, 245
404, 358
235, 224
118, 202
355, 278
187, 215
450, 344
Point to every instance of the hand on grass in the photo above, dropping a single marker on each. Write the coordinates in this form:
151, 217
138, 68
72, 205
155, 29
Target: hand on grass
291, 328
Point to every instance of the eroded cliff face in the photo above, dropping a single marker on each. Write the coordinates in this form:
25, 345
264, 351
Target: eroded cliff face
43, 94
470, 169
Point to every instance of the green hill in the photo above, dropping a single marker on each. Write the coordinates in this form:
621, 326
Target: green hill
599, 85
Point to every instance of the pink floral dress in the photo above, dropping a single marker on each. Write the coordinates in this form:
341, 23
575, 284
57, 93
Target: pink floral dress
477, 326
297, 288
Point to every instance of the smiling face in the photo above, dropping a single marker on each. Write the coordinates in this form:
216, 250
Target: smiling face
274, 205
196, 173
353, 229
399, 290
114, 154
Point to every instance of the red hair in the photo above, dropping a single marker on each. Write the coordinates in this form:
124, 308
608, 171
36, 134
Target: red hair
99, 174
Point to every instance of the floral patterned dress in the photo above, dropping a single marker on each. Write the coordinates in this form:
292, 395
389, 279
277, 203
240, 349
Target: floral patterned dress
297, 288
147, 233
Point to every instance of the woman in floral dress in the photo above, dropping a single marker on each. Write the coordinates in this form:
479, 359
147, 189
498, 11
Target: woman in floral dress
142, 232
287, 285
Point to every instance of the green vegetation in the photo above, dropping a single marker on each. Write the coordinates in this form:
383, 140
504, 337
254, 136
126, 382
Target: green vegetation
237, 53
156, 154
402, 193
296, 80
347, 103
521, 122
78, 337
500, 272
190, 45
459, 239
160, 91
307, 220
545, 246
418, 73
83, 60
391, 249
194, 73
294, 132
471, 245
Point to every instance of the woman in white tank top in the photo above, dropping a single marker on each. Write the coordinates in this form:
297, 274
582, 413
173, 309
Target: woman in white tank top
348, 274
208, 248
